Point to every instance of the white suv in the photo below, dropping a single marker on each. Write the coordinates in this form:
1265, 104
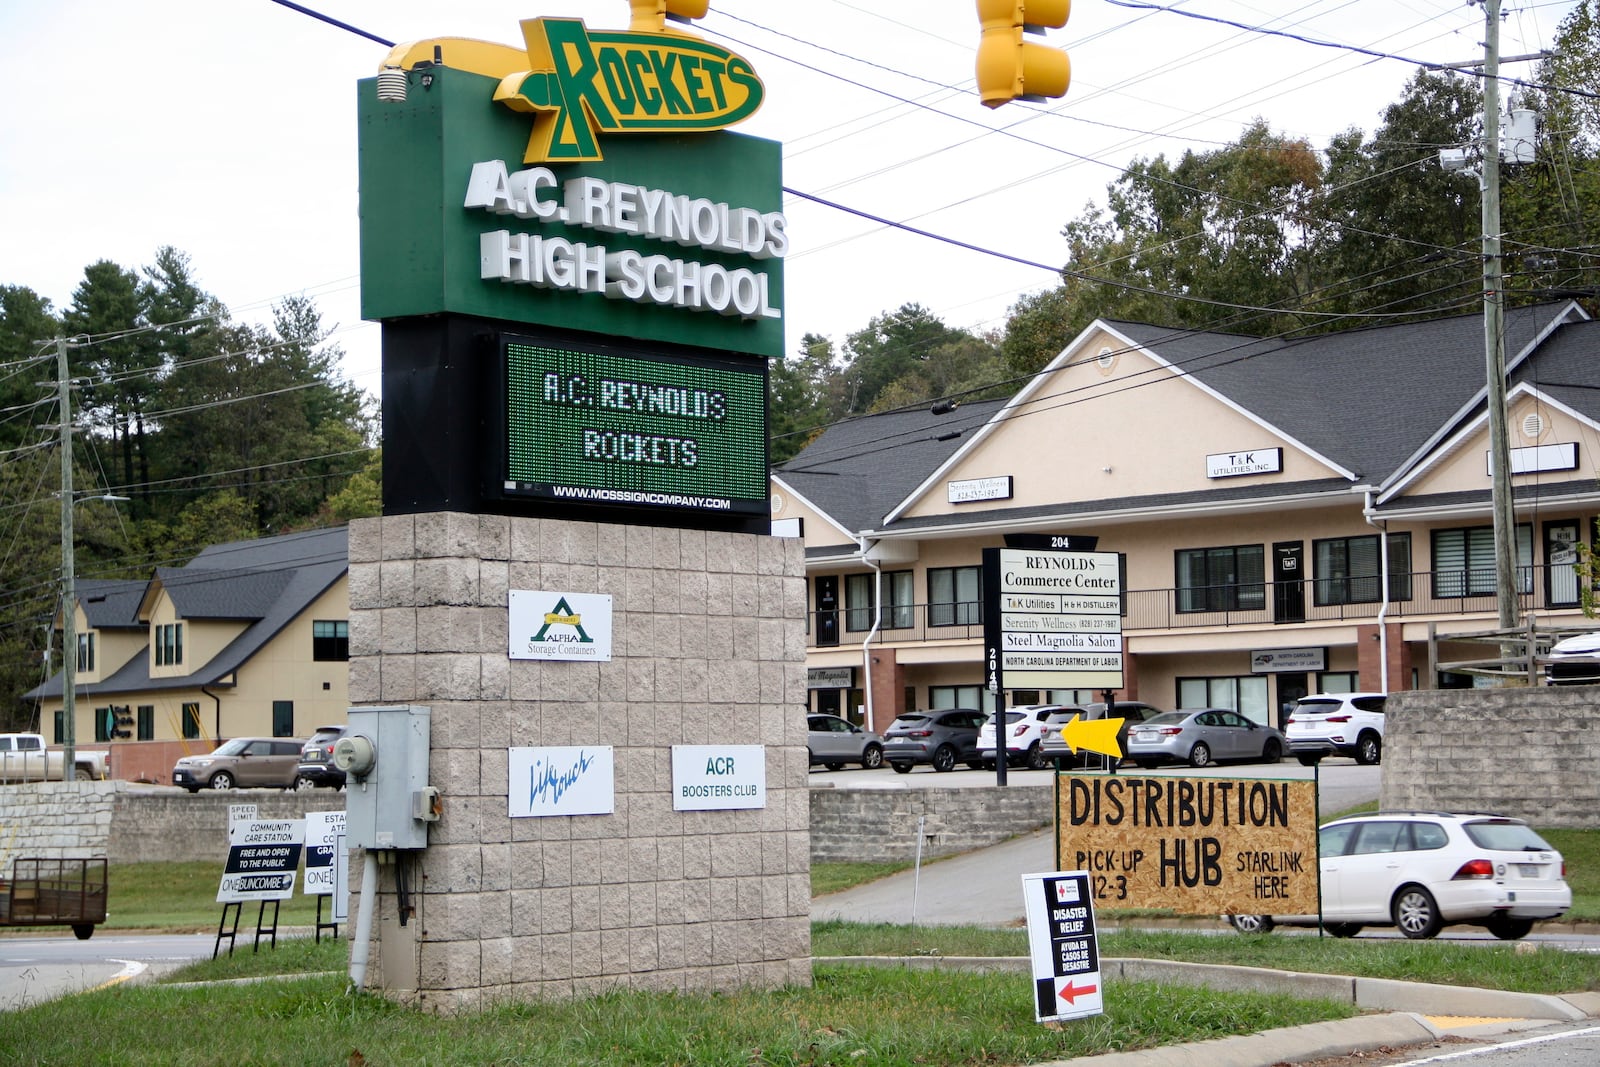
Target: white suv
1024, 730
1338, 724
1421, 870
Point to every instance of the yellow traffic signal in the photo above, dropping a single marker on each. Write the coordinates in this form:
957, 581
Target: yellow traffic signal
650, 16
1010, 66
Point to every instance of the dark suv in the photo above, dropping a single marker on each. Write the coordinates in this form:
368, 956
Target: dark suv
316, 760
939, 738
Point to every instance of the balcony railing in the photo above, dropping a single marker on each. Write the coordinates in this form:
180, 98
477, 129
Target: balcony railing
1423, 594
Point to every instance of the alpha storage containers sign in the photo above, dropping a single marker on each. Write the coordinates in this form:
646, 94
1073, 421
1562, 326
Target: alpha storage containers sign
560, 626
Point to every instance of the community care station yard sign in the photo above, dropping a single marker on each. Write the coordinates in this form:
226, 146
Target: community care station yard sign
1196, 846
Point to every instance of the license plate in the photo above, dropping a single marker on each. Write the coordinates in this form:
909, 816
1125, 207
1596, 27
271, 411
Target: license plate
1528, 870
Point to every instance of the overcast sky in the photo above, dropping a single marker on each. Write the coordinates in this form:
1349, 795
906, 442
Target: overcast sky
227, 128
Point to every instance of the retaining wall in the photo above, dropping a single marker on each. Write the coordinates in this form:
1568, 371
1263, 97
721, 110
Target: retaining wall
880, 825
1526, 752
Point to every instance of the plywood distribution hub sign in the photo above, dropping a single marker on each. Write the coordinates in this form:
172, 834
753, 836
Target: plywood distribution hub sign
1198, 846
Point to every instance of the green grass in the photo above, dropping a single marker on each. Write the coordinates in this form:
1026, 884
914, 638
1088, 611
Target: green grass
1581, 850
851, 1017
182, 898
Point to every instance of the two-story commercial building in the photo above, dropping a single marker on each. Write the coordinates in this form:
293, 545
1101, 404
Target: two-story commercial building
1292, 515
247, 638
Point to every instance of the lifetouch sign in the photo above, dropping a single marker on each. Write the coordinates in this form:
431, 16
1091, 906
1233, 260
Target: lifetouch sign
583, 83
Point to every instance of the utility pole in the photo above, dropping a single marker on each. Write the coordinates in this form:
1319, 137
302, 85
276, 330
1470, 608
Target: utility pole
69, 596
1505, 528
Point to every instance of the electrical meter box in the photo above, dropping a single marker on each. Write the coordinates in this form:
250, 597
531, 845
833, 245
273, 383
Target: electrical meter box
385, 759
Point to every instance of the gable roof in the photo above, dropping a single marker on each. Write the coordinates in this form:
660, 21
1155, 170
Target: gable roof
267, 582
1370, 403
111, 604
859, 469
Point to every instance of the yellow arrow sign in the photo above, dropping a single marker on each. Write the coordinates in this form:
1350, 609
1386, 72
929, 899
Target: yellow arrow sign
1094, 735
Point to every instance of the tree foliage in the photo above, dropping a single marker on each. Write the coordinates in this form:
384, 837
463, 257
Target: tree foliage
212, 430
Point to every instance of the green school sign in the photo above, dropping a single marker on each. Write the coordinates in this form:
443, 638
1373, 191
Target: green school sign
675, 237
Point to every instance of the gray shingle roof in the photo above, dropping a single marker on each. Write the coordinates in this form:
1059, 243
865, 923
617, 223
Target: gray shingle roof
268, 582
858, 470
1370, 400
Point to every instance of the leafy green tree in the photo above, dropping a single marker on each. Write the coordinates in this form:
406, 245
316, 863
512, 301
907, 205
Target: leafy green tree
107, 314
25, 320
891, 346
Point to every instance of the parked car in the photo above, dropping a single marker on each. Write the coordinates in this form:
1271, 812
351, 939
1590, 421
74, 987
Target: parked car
939, 738
1202, 737
1054, 746
1338, 724
833, 742
1024, 730
1573, 661
316, 760
1419, 871
241, 762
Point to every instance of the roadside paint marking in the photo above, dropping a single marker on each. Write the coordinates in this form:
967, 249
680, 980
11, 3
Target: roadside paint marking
1448, 1022
1522, 1043
130, 969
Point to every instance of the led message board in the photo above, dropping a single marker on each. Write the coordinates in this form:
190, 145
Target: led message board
613, 426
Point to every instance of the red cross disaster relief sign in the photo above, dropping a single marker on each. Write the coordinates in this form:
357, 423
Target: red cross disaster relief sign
1192, 845
263, 856
1061, 940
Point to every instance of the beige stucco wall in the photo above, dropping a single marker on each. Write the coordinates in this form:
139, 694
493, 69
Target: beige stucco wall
1463, 466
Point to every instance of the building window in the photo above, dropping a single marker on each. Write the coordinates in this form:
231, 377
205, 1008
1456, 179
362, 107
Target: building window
1222, 579
899, 599
147, 722
955, 598
1247, 695
959, 696
169, 644
330, 640
1349, 570
60, 727
1463, 561
191, 721
85, 652
105, 721
859, 603
283, 718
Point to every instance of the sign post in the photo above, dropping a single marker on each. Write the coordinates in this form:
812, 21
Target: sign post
1052, 620
1063, 946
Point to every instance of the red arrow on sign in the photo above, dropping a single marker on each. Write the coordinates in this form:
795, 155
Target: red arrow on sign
1071, 992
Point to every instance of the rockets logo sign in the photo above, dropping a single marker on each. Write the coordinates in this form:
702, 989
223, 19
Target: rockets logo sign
582, 83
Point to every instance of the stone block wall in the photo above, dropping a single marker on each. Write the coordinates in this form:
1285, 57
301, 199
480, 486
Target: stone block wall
708, 648
56, 820
880, 825
1528, 752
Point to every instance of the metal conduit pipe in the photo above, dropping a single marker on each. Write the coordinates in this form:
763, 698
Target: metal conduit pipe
369, 899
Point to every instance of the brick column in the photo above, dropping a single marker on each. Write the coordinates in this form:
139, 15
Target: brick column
1369, 661
888, 688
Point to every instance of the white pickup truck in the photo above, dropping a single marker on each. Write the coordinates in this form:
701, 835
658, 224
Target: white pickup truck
24, 758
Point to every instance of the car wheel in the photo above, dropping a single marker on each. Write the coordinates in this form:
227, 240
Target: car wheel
1272, 751
1369, 749
872, 757
1508, 929
1416, 913
1200, 755
302, 784
834, 766
1148, 764
1035, 758
901, 767
1343, 929
192, 788
83, 774
944, 758
83, 931
975, 764
1309, 761
222, 780
1252, 924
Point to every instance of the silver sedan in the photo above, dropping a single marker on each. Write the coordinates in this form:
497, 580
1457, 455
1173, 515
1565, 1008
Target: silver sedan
1202, 737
